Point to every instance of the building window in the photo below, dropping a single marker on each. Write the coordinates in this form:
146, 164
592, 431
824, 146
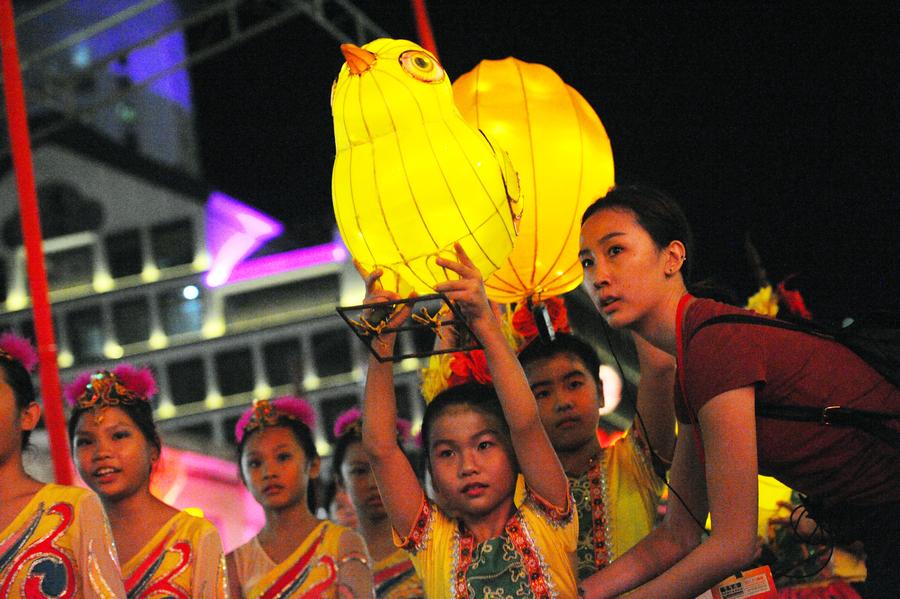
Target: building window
179, 314
331, 408
85, 331
123, 253
284, 362
332, 352
70, 268
187, 381
234, 371
131, 319
173, 243
282, 299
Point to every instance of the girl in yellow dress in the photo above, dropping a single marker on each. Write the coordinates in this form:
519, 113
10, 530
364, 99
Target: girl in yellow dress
295, 554
473, 540
54, 539
164, 552
395, 575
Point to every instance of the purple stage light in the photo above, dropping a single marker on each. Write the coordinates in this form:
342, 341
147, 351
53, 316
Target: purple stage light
234, 231
327, 253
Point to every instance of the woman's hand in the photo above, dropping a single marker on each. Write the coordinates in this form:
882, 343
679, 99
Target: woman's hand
467, 292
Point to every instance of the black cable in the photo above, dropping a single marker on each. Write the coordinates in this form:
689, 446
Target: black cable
646, 436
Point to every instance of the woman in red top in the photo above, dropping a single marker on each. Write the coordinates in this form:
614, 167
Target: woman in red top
635, 249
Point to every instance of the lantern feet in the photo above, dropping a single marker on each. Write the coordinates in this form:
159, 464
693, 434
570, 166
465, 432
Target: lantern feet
432, 312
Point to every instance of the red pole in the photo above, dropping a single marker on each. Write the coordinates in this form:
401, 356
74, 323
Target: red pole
423, 27
31, 232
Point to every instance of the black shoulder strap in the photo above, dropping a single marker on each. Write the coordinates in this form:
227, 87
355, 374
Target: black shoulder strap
871, 422
809, 329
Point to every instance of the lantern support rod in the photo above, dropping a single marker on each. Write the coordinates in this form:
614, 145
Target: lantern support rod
423, 27
17, 121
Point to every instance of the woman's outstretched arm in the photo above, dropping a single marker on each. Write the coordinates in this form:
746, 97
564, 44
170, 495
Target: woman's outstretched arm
670, 561
655, 402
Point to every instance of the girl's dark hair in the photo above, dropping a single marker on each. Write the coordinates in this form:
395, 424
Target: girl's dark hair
656, 212
563, 343
19, 380
475, 396
341, 444
140, 412
304, 438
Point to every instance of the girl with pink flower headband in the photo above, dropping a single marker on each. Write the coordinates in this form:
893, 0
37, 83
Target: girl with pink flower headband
54, 539
393, 571
295, 554
163, 551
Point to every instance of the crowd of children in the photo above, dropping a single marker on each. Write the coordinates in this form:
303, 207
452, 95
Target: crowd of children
523, 499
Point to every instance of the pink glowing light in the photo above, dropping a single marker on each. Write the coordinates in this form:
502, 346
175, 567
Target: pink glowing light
234, 231
316, 255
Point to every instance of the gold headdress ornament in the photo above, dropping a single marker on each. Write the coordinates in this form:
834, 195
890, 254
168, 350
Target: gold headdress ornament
103, 389
265, 413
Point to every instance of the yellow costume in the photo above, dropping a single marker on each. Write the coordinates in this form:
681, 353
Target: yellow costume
312, 570
617, 500
396, 578
59, 545
183, 560
533, 557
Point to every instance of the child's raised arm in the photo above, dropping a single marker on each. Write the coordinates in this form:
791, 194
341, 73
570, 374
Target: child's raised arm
537, 459
400, 490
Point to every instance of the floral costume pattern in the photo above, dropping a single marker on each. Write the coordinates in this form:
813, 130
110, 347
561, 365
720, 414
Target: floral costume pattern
617, 500
59, 546
310, 571
533, 557
396, 578
183, 560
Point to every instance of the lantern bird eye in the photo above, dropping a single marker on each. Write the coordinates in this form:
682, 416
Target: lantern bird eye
421, 66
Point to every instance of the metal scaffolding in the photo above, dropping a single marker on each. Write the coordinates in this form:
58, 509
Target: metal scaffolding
220, 26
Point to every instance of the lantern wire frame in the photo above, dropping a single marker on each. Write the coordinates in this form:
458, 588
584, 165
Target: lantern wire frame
434, 311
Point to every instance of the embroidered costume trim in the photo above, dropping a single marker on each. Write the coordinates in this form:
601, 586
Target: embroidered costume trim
517, 531
600, 525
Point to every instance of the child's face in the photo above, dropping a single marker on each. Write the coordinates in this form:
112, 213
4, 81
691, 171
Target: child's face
472, 463
275, 468
113, 456
568, 400
359, 482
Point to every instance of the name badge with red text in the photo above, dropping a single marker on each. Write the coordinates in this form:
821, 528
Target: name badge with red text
757, 583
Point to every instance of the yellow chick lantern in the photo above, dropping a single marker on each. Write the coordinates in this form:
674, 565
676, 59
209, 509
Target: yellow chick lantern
564, 160
411, 177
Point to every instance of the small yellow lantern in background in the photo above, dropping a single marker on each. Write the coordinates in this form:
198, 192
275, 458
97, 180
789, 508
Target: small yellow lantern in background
564, 160
411, 177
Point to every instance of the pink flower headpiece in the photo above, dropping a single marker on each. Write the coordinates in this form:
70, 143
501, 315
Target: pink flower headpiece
270, 413
18, 349
350, 422
124, 384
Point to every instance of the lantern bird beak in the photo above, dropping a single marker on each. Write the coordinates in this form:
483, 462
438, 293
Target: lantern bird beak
358, 60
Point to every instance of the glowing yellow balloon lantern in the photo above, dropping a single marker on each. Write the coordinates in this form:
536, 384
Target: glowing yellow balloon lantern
411, 177
564, 160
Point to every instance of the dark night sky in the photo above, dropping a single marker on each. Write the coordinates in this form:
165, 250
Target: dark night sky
784, 123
